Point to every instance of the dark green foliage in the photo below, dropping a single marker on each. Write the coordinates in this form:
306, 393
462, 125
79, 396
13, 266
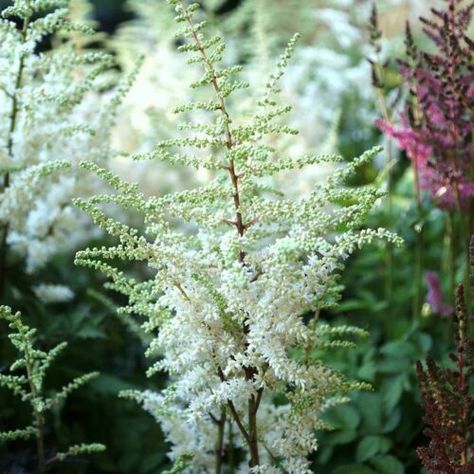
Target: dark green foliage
97, 340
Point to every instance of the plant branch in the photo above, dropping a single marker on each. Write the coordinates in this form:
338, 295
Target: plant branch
38, 415
234, 412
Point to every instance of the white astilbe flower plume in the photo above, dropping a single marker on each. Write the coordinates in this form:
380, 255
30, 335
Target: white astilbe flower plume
240, 272
53, 111
49, 293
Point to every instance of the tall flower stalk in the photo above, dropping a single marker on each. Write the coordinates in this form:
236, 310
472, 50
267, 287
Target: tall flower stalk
448, 400
241, 272
436, 126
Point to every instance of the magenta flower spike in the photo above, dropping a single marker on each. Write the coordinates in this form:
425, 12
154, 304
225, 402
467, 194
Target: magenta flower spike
436, 125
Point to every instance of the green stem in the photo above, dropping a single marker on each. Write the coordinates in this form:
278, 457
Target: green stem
389, 245
418, 245
38, 415
388, 164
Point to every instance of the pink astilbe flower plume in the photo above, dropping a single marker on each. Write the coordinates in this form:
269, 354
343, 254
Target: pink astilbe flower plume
436, 125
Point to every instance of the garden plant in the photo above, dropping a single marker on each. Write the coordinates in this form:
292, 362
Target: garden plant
236, 236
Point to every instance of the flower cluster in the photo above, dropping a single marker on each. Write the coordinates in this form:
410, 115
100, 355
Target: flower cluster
240, 274
58, 99
437, 124
56, 106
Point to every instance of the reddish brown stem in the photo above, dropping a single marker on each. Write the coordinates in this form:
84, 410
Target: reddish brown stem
251, 435
219, 450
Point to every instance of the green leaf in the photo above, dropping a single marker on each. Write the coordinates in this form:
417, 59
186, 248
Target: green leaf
372, 445
392, 390
396, 348
353, 469
370, 407
394, 365
392, 421
367, 371
343, 417
325, 453
340, 437
425, 341
387, 465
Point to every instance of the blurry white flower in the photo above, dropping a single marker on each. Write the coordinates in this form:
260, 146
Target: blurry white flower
49, 293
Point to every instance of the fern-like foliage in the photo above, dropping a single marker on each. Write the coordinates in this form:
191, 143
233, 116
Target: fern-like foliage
235, 266
26, 380
448, 400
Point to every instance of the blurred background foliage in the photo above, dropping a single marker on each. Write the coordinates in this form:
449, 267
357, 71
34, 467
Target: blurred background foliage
379, 430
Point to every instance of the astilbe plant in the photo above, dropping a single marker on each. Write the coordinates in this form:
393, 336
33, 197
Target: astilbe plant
240, 274
55, 106
328, 75
26, 380
449, 402
437, 124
